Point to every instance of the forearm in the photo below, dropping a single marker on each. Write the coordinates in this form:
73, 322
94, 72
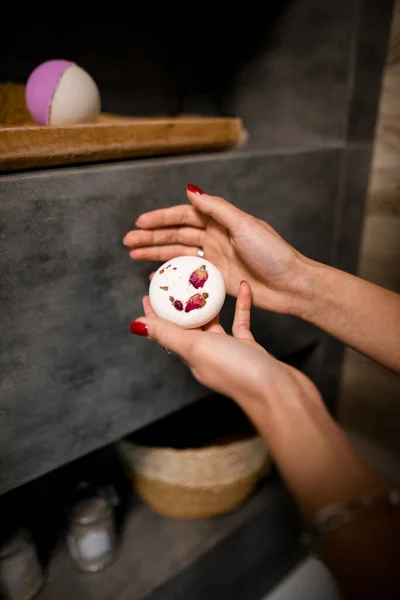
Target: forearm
322, 468
358, 313
318, 462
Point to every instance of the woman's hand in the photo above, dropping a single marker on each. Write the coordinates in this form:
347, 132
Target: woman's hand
283, 404
235, 366
360, 314
241, 246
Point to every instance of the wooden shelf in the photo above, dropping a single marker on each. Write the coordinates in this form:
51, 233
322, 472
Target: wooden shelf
29, 146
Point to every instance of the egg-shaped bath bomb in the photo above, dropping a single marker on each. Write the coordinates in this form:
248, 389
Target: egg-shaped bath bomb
59, 92
188, 291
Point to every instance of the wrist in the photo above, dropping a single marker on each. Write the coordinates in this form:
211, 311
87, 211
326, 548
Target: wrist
296, 428
307, 286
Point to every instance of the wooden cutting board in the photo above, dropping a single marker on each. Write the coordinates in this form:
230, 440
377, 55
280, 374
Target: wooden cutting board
29, 146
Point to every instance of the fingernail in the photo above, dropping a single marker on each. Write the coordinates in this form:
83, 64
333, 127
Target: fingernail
194, 189
243, 281
124, 242
138, 328
137, 221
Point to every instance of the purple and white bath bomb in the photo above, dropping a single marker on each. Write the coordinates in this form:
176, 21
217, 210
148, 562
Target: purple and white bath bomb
59, 92
188, 291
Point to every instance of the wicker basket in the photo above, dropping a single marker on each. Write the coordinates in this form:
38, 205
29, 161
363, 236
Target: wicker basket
196, 483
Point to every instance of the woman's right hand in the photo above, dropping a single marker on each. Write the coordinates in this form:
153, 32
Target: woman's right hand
241, 246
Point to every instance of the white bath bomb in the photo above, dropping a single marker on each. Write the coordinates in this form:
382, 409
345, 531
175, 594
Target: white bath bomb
188, 291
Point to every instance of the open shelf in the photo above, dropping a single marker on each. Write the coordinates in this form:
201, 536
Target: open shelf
28, 146
155, 550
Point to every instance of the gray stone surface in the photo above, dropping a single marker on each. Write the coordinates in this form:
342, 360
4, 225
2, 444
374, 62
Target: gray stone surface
369, 54
353, 182
355, 167
73, 378
296, 94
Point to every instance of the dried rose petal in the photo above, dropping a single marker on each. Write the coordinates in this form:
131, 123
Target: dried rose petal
205, 295
199, 277
174, 268
161, 272
171, 298
178, 305
164, 287
196, 301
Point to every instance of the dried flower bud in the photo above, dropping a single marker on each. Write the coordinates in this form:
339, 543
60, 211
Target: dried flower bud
199, 277
196, 301
178, 305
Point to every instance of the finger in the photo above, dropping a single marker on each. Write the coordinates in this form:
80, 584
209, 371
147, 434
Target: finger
214, 326
178, 340
241, 320
183, 214
219, 209
148, 310
152, 275
189, 236
162, 253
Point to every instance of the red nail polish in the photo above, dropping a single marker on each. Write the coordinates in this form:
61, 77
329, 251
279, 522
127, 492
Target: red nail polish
194, 189
139, 328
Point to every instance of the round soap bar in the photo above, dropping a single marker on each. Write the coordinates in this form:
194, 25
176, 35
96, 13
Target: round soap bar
188, 291
59, 92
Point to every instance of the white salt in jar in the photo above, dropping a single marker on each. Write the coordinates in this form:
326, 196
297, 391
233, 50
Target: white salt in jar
91, 535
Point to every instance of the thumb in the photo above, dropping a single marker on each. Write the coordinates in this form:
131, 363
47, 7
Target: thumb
176, 339
215, 207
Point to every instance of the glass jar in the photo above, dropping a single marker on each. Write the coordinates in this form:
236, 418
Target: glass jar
21, 574
91, 534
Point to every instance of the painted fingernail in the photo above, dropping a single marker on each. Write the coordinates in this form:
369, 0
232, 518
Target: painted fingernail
138, 328
194, 189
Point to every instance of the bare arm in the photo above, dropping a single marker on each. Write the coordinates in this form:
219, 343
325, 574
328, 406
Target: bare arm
319, 464
322, 467
358, 313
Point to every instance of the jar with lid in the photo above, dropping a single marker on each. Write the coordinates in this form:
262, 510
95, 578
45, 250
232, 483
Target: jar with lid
21, 574
91, 534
